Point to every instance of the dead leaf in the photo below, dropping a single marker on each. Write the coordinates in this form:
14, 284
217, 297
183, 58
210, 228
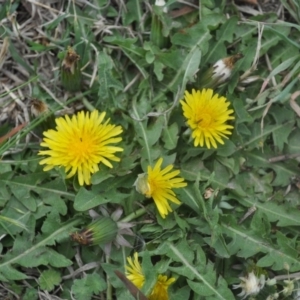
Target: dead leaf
182, 11
252, 2
134, 291
11, 133
294, 104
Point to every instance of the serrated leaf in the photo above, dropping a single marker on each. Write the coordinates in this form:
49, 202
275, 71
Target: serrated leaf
133, 12
158, 70
207, 280
293, 144
148, 135
284, 171
280, 137
224, 34
106, 79
84, 288
246, 244
198, 35
200, 288
191, 65
8, 273
49, 279
86, 200
4, 219
170, 136
16, 211
26, 254
30, 294
133, 52
276, 213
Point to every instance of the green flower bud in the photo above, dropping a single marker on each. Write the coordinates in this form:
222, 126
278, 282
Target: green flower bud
156, 35
101, 231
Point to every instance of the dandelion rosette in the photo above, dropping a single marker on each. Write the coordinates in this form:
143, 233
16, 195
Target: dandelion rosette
135, 274
158, 184
80, 144
206, 115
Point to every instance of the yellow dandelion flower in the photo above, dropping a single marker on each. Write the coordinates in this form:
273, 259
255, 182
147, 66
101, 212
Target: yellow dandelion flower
207, 114
158, 184
135, 274
160, 290
80, 143
134, 271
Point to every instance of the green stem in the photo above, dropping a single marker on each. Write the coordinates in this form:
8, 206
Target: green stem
87, 104
134, 215
109, 286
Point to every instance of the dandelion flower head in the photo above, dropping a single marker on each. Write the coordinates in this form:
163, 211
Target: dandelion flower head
135, 274
158, 184
250, 285
80, 144
206, 115
160, 290
134, 271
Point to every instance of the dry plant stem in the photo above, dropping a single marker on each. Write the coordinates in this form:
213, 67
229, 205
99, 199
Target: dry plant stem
128, 86
269, 104
18, 101
95, 67
283, 157
77, 257
82, 269
293, 103
260, 29
270, 69
44, 6
248, 10
288, 276
51, 94
249, 212
11, 292
3, 51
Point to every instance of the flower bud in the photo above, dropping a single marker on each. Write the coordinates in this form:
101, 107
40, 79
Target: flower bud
40, 109
141, 185
219, 73
271, 282
289, 287
70, 71
156, 35
101, 231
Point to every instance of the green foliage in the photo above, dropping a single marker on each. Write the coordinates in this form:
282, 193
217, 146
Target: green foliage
240, 209
49, 279
83, 289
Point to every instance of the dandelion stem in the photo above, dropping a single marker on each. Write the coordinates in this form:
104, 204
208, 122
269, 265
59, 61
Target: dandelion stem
87, 104
109, 286
134, 215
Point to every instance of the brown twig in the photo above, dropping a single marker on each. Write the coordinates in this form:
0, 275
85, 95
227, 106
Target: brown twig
134, 291
12, 132
283, 157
